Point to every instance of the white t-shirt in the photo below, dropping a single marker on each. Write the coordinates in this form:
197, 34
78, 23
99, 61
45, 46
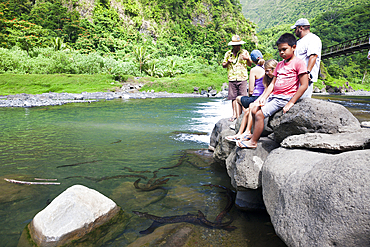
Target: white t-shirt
309, 45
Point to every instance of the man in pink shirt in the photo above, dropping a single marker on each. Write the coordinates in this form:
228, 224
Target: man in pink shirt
284, 89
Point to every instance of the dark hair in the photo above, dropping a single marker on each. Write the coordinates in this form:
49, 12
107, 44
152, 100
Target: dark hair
287, 38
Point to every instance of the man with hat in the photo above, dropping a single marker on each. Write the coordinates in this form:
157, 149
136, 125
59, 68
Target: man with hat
309, 50
236, 61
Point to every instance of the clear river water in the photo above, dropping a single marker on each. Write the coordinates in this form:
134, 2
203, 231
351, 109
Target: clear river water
102, 144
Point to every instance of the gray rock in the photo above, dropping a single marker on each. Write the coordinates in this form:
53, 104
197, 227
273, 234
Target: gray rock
313, 116
221, 125
317, 199
71, 215
338, 142
223, 147
244, 165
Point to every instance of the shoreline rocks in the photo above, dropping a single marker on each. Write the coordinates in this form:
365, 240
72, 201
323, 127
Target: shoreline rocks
51, 99
311, 179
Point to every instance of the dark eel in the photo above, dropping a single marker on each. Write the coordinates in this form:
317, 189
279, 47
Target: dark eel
230, 201
199, 219
81, 163
153, 184
122, 176
158, 221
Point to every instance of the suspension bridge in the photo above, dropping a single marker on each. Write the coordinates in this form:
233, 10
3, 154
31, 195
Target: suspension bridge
347, 47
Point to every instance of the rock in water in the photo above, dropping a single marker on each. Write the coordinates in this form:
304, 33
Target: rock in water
71, 215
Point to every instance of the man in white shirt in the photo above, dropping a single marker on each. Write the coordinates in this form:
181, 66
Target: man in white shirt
309, 50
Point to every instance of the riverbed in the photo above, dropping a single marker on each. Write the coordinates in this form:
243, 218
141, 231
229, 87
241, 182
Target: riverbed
97, 144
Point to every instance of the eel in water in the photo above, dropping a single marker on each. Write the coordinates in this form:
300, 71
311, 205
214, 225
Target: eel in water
199, 219
153, 184
230, 201
81, 163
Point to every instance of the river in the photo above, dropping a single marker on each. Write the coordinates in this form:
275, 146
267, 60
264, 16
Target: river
81, 143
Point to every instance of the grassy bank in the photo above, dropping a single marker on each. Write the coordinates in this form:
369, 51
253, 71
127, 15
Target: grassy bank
58, 83
37, 84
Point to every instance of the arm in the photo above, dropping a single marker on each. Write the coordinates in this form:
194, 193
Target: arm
311, 61
246, 56
266, 92
227, 60
303, 78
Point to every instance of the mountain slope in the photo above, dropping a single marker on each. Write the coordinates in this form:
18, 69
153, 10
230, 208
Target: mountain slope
269, 13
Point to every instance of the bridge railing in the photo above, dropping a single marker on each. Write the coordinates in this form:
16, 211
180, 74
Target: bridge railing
347, 45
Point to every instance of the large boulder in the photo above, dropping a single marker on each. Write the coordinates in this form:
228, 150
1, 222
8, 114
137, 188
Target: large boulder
244, 165
70, 216
318, 199
313, 116
330, 142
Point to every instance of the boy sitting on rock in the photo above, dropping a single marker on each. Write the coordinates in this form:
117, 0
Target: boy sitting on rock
284, 89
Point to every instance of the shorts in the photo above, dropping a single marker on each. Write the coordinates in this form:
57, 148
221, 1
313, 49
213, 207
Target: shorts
274, 103
245, 100
237, 88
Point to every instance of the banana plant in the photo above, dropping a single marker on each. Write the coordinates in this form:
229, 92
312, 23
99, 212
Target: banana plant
57, 43
140, 57
152, 70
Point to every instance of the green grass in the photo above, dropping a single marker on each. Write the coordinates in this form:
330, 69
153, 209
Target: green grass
37, 84
185, 83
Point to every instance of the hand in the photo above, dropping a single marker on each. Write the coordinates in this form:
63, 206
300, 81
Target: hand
287, 107
261, 102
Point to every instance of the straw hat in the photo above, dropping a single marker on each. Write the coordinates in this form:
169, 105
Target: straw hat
236, 40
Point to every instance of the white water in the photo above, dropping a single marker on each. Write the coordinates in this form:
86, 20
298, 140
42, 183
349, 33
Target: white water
206, 115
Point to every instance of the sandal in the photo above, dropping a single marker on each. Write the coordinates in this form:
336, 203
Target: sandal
244, 144
232, 138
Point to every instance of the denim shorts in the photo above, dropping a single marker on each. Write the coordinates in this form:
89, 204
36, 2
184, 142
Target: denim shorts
274, 103
245, 100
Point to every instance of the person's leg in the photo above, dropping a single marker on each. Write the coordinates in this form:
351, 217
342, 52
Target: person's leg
232, 96
258, 123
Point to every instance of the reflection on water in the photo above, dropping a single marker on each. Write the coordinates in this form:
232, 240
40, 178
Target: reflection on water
107, 146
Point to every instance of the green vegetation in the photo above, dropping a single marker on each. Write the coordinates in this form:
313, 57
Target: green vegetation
174, 45
37, 84
268, 14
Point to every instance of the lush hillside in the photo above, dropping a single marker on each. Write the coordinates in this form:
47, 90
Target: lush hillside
268, 13
111, 26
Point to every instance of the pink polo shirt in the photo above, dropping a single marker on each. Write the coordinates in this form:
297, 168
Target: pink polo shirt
287, 79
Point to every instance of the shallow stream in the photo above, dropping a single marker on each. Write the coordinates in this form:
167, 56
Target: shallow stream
102, 144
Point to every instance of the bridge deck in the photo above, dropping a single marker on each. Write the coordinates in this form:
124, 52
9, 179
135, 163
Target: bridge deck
347, 47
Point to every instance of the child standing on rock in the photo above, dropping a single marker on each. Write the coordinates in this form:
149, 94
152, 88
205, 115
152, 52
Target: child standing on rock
284, 88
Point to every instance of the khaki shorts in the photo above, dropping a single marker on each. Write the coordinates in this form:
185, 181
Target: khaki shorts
237, 88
